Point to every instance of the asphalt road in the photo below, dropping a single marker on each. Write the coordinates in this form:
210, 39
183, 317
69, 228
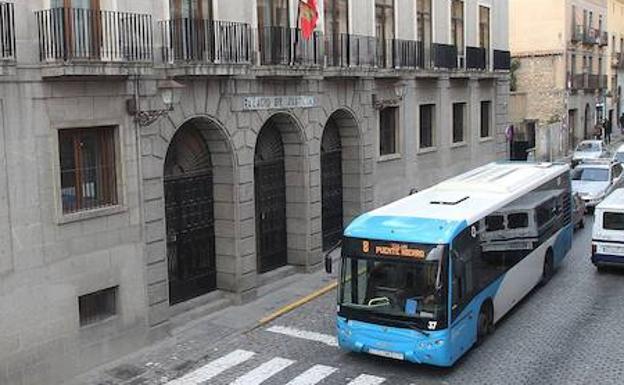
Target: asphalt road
568, 332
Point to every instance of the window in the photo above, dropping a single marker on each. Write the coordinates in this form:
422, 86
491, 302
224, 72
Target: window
458, 122
613, 221
388, 137
486, 116
273, 13
97, 306
427, 125
518, 221
336, 17
384, 31
494, 223
457, 25
573, 64
484, 27
88, 172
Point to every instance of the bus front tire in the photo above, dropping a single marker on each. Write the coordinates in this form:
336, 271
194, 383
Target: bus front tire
549, 268
485, 325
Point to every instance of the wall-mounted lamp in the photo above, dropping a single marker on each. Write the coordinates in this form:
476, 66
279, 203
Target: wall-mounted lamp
398, 92
169, 91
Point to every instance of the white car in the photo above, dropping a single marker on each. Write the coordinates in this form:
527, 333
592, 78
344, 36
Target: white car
619, 155
589, 149
593, 181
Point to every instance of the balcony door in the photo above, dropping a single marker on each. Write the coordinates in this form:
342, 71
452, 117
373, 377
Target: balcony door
336, 30
384, 31
273, 13
81, 27
424, 28
457, 30
191, 29
191, 9
276, 40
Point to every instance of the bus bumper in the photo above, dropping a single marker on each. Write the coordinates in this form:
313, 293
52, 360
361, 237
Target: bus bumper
607, 260
397, 343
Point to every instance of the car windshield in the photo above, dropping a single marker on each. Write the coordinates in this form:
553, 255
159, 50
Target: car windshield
589, 174
588, 147
396, 289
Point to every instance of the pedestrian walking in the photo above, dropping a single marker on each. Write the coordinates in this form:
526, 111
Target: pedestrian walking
598, 130
622, 123
608, 128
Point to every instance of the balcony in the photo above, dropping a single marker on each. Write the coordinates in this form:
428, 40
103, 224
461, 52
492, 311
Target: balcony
502, 60
617, 60
398, 53
587, 82
206, 47
87, 42
444, 56
284, 46
349, 51
7, 37
604, 39
590, 36
577, 33
476, 58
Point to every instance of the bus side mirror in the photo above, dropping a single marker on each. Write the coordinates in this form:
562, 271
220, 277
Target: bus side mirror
328, 264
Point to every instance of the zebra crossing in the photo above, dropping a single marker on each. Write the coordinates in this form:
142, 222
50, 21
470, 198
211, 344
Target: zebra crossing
262, 374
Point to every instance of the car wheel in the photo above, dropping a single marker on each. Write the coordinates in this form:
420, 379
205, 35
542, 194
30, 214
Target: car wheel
549, 268
484, 323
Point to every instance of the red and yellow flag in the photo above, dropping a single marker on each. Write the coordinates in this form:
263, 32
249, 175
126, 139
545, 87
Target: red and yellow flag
308, 17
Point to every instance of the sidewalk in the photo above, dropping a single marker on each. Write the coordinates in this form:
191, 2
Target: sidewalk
187, 343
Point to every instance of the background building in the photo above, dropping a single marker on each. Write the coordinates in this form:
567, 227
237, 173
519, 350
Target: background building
561, 77
122, 206
615, 18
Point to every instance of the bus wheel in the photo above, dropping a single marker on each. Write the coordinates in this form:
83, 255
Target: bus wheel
484, 323
549, 269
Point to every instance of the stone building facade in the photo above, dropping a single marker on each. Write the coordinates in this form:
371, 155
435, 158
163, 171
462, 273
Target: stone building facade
120, 209
563, 68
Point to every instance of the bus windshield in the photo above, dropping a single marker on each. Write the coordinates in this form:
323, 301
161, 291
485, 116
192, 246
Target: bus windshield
396, 291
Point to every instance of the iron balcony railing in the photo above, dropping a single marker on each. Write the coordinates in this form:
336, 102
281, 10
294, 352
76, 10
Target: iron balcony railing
502, 60
346, 50
7, 31
444, 56
587, 82
476, 58
617, 60
590, 36
76, 34
286, 46
191, 40
405, 53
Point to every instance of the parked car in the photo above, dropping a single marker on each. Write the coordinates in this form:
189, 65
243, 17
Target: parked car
578, 211
589, 149
619, 155
608, 232
594, 180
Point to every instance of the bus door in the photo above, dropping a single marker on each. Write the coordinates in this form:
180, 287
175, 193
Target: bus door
463, 318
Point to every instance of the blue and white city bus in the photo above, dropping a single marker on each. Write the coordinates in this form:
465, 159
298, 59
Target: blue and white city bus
425, 278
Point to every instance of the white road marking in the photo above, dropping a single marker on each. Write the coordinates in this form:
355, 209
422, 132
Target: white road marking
213, 368
263, 372
312, 376
366, 379
304, 334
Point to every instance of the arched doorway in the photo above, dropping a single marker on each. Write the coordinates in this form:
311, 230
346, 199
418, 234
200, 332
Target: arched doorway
586, 122
189, 210
331, 185
270, 195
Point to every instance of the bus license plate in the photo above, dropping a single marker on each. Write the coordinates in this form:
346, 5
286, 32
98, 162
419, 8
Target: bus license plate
387, 354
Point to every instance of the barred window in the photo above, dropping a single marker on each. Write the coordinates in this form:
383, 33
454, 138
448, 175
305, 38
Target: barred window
88, 172
427, 125
97, 306
388, 131
458, 122
486, 116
